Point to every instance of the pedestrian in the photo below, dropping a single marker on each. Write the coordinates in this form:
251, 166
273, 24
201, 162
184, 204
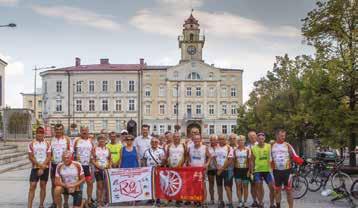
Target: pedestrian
251, 143
130, 156
39, 152
242, 157
122, 137
199, 156
224, 176
261, 164
83, 148
69, 177
212, 169
59, 144
115, 148
142, 142
101, 159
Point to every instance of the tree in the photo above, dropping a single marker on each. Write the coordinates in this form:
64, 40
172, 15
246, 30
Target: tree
332, 29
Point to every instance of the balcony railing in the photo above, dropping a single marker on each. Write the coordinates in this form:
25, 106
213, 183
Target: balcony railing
193, 116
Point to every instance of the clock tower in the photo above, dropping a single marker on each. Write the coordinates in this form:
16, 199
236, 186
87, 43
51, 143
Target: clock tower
191, 42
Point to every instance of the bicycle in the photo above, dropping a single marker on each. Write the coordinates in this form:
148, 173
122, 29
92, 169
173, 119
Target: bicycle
299, 182
354, 189
341, 192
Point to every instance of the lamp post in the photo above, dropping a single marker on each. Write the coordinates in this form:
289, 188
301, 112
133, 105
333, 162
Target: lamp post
37, 69
177, 126
9, 25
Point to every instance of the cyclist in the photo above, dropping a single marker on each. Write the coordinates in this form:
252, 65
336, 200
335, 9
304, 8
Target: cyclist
261, 162
176, 152
115, 148
282, 155
212, 169
251, 143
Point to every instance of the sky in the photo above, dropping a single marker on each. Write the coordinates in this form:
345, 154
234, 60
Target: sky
241, 34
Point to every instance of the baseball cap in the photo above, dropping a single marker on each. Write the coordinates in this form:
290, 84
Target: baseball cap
261, 134
124, 131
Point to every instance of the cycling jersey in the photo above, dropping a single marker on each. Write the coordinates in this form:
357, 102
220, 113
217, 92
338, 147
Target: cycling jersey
102, 156
242, 157
40, 149
197, 156
83, 149
153, 157
176, 154
212, 151
69, 173
262, 157
281, 155
115, 150
58, 146
223, 153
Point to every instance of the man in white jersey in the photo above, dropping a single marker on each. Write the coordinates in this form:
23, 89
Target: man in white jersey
142, 142
39, 152
199, 156
252, 142
212, 169
83, 148
59, 144
154, 156
224, 156
282, 155
176, 152
69, 177
193, 131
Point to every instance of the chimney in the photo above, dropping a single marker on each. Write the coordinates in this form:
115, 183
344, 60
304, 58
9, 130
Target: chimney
104, 61
78, 62
141, 61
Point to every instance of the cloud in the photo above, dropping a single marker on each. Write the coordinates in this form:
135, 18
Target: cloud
14, 67
8, 2
165, 21
78, 16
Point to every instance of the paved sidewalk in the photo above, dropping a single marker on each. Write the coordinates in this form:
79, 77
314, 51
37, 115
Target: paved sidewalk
14, 188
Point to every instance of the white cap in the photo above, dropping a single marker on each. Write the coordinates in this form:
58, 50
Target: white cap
124, 131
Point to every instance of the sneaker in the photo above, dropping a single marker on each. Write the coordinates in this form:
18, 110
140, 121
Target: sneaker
53, 205
221, 205
230, 205
244, 205
254, 204
240, 204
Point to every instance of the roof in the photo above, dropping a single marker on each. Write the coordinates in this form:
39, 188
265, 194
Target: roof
101, 67
156, 67
191, 20
2, 61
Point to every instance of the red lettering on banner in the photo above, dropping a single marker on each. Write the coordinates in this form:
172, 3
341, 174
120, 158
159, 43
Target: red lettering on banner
130, 188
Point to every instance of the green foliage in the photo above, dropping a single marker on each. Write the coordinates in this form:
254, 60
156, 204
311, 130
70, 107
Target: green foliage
19, 123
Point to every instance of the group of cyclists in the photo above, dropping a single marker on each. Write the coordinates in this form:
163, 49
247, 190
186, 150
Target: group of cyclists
72, 161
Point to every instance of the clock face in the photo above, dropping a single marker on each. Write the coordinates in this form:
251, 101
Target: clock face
191, 50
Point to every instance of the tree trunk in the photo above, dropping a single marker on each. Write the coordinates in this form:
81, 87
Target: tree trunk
352, 130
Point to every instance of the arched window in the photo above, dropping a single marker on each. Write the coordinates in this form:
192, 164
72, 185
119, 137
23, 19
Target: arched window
194, 76
191, 36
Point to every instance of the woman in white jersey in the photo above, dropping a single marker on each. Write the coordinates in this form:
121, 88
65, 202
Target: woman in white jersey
101, 159
199, 156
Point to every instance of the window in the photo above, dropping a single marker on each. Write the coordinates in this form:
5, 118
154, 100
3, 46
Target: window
147, 109
161, 129
131, 105
118, 86
188, 110
91, 126
104, 105
118, 125
118, 105
79, 86
223, 92
45, 87
233, 127
233, 109
91, 106
176, 74
211, 92
188, 91
131, 86
155, 128
211, 110
147, 92
105, 86
233, 92
194, 76
198, 109
175, 109
58, 105
58, 86
39, 115
198, 91
224, 129
169, 127
39, 104
211, 75
191, 35
91, 86
211, 129
104, 124
161, 109
30, 104
161, 91
175, 92
224, 109
78, 105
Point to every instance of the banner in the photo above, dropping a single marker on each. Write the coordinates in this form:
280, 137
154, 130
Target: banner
129, 184
182, 184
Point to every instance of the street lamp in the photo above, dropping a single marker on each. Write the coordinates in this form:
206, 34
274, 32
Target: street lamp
9, 25
37, 69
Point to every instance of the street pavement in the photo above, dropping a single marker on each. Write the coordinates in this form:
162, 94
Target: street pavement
14, 187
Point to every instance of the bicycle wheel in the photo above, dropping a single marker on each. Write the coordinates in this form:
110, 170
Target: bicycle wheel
299, 187
339, 178
314, 180
354, 189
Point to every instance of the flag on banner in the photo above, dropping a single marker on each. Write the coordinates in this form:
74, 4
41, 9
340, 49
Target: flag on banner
129, 184
182, 184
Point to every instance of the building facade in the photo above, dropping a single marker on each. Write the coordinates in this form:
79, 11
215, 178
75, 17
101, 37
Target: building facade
116, 96
3, 64
28, 103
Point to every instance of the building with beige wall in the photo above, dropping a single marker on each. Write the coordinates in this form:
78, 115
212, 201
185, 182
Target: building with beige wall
190, 94
28, 103
3, 64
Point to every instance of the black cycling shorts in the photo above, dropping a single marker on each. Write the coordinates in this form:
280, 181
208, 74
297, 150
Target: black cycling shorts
99, 175
53, 170
212, 172
35, 178
226, 176
282, 178
77, 197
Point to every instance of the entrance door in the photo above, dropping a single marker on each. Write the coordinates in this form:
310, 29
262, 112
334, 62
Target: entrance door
132, 128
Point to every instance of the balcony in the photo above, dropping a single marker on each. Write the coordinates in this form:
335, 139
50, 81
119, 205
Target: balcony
201, 38
192, 116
